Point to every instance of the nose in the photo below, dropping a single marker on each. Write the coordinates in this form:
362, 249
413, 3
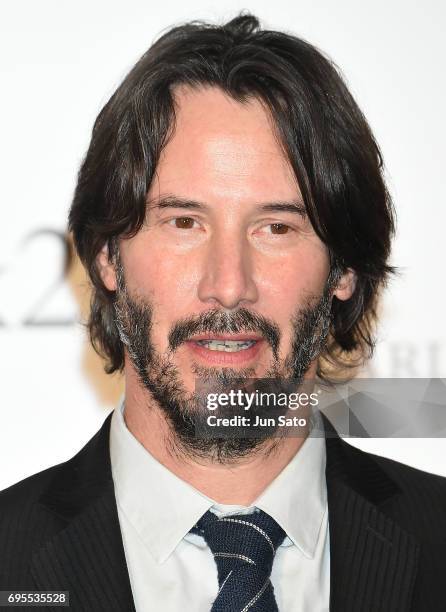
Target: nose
227, 273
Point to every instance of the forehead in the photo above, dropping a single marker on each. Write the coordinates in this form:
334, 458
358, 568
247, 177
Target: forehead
223, 148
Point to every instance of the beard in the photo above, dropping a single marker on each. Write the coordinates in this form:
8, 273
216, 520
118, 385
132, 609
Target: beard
185, 411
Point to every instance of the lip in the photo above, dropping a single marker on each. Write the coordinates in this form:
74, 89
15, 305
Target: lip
237, 337
221, 357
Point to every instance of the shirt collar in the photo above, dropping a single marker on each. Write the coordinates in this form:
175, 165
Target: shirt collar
163, 508
160, 506
297, 497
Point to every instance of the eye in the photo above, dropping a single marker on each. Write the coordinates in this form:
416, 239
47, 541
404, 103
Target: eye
279, 228
182, 222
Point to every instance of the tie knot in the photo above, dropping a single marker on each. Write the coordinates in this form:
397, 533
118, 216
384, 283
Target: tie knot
242, 539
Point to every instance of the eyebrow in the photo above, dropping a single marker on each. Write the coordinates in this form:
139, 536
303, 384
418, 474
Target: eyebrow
296, 207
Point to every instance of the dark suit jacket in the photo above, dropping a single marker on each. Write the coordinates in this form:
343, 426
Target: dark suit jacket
59, 530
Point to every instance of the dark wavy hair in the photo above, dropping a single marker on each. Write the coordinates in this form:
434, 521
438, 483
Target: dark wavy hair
332, 151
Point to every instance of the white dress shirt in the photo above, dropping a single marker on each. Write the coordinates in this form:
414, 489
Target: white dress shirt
172, 570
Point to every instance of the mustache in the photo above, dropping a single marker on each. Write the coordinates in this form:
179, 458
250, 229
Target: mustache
221, 322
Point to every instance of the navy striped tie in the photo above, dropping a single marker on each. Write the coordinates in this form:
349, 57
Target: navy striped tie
243, 546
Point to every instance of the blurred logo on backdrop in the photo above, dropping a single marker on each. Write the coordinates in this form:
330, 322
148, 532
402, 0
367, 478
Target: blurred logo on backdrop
42, 283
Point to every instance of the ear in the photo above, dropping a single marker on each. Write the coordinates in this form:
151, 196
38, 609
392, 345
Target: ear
346, 285
106, 268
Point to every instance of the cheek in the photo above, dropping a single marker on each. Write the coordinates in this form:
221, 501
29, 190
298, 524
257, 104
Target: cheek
169, 282
287, 287
292, 280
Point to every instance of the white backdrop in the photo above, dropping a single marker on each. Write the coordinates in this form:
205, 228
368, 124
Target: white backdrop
59, 63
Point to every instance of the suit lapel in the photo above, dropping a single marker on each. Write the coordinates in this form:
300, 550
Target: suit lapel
86, 555
373, 560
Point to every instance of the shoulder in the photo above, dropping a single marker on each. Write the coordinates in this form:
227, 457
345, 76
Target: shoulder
91, 462
38, 507
26, 491
412, 480
420, 500
25, 523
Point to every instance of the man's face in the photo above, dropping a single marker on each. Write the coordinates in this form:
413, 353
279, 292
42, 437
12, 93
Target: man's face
226, 234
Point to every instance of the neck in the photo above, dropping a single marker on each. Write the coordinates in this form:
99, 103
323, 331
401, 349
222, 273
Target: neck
237, 483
